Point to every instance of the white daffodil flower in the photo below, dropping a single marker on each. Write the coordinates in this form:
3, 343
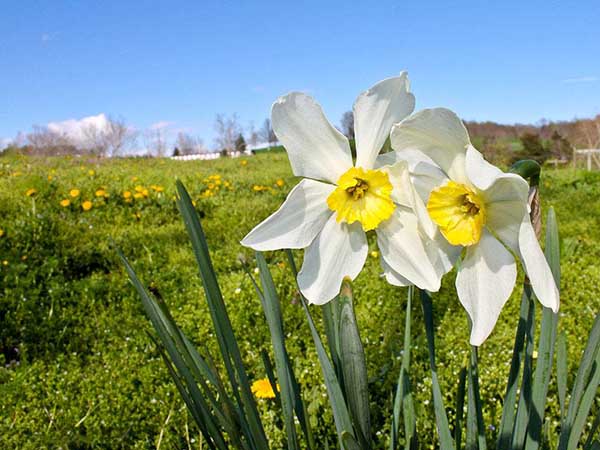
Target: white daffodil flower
478, 208
330, 210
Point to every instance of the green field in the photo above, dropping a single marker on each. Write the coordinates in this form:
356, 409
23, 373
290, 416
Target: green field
77, 367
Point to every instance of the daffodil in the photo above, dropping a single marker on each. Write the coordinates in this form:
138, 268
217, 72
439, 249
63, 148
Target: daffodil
480, 210
329, 212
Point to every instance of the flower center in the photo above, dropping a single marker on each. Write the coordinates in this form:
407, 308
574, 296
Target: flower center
459, 212
363, 196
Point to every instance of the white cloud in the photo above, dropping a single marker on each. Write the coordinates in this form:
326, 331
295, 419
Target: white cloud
5, 142
161, 125
588, 79
74, 129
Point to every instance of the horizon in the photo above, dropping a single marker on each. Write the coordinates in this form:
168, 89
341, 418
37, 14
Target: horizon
176, 66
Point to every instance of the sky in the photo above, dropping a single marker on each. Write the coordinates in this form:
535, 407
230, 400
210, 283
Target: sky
177, 64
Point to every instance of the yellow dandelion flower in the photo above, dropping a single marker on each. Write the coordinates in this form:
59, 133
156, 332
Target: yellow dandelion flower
138, 195
280, 183
91, 173
134, 178
259, 188
101, 193
243, 163
31, 192
211, 185
263, 389
74, 193
145, 192
50, 177
139, 188
127, 195
87, 205
65, 202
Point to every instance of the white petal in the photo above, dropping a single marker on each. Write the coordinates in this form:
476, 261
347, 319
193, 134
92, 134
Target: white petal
438, 133
427, 177
296, 223
375, 111
537, 268
412, 157
315, 148
404, 249
393, 277
339, 251
506, 205
484, 283
482, 174
401, 185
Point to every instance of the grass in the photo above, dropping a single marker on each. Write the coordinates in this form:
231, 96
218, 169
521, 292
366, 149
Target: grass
78, 370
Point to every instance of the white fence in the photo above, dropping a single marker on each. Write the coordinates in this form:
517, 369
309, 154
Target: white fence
209, 156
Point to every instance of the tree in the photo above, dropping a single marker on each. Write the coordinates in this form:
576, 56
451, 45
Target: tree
588, 131
266, 133
227, 129
253, 136
188, 144
111, 139
347, 124
533, 148
46, 142
156, 142
240, 144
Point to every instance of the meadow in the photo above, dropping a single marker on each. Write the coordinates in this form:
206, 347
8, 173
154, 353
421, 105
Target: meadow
77, 368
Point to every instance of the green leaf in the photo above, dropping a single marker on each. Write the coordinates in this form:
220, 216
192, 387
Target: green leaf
543, 369
562, 371
475, 425
270, 301
507, 422
354, 365
222, 325
341, 416
403, 400
460, 407
441, 419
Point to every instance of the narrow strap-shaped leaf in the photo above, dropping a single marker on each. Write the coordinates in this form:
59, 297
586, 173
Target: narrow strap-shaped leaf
507, 422
562, 371
523, 406
592, 433
354, 366
341, 415
331, 323
587, 399
548, 330
441, 419
476, 404
403, 401
581, 380
460, 407
268, 365
284, 371
471, 443
223, 329
349, 442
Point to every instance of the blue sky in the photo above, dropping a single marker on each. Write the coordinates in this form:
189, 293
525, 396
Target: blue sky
184, 62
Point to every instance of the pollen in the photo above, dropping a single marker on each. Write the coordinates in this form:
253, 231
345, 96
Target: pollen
362, 196
459, 212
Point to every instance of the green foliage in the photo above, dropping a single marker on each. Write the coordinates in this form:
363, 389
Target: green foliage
84, 373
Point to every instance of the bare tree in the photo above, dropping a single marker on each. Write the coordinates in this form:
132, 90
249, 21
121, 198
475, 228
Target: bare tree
112, 139
253, 136
267, 134
347, 124
155, 141
588, 132
188, 145
228, 129
50, 143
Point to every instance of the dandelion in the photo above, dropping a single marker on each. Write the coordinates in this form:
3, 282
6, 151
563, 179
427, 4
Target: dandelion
244, 163
127, 195
50, 177
30, 192
260, 188
74, 193
91, 172
65, 202
1, 232
263, 389
87, 205
329, 212
138, 195
280, 183
479, 210
101, 193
